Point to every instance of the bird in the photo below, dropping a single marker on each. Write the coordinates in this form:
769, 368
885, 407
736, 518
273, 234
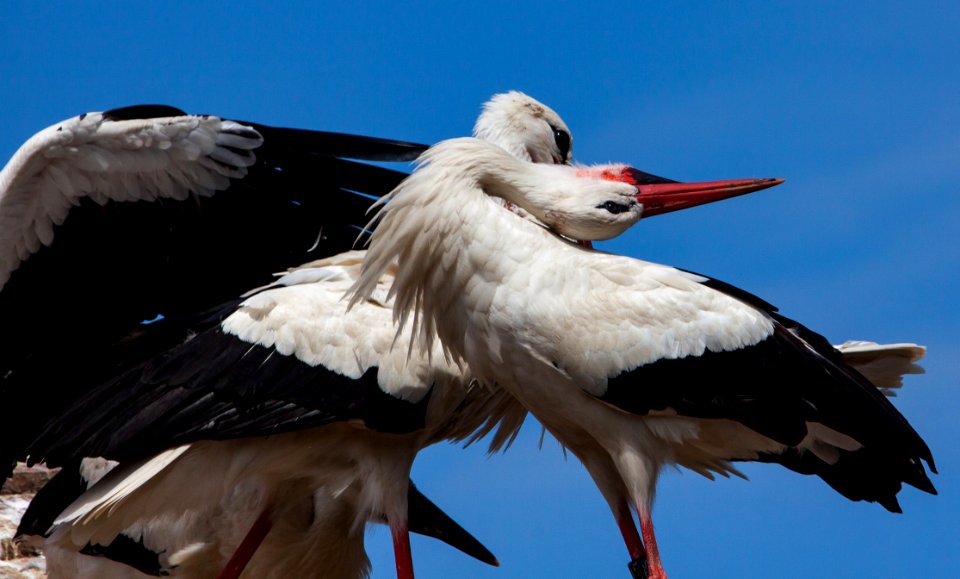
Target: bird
631, 365
162, 216
113, 430
119, 229
315, 534
290, 396
264, 175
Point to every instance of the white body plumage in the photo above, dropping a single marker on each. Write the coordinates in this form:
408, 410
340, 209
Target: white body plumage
555, 324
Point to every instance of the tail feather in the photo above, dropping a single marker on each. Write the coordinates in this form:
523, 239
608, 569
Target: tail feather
884, 365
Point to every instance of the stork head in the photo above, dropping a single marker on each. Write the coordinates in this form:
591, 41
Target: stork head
604, 201
577, 204
525, 128
531, 131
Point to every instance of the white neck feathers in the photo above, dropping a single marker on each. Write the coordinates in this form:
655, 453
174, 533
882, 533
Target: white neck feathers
454, 245
443, 230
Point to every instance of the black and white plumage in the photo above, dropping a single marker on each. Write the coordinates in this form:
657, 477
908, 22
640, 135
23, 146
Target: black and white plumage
144, 213
114, 219
216, 385
336, 367
236, 380
315, 531
345, 413
631, 365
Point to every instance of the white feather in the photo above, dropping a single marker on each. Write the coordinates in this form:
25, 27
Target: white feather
884, 365
132, 160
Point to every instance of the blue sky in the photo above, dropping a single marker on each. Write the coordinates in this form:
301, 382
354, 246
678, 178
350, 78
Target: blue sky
856, 104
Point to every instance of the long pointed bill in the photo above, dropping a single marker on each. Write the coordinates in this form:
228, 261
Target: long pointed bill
426, 518
659, 195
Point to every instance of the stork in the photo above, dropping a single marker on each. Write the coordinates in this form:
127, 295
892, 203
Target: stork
145, 212
322, 394
305, 399
112, 220
315, 531
630, 365
189, 175
315, 535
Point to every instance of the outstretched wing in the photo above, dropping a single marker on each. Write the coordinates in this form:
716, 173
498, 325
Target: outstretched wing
120, 230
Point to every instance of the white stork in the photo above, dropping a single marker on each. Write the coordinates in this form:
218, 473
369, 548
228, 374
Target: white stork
339, 359
111, 220
299, 401
146, 212
191, 175
315, 532
630, 364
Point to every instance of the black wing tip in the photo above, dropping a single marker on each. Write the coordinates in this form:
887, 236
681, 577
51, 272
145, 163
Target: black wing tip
344, 145
918, 479
426, 518
891, 504
860, 475
134, 112
130, 552
61, 490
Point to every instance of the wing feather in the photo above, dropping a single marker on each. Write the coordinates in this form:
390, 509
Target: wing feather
108, 220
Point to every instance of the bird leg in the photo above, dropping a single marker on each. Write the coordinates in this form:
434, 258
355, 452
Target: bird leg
401, 550
654, 566
629, 531
238, 561
638, 555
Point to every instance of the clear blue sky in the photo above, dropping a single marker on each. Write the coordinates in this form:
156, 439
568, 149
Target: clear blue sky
856, 104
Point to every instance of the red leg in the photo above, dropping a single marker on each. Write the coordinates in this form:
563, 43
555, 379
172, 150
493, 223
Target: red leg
654, 566
629, 531
401, 551
238, 561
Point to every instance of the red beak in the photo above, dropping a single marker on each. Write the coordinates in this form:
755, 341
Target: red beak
659, 195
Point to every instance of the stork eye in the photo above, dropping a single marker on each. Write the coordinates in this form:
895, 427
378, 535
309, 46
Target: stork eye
614, 207
562, 139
